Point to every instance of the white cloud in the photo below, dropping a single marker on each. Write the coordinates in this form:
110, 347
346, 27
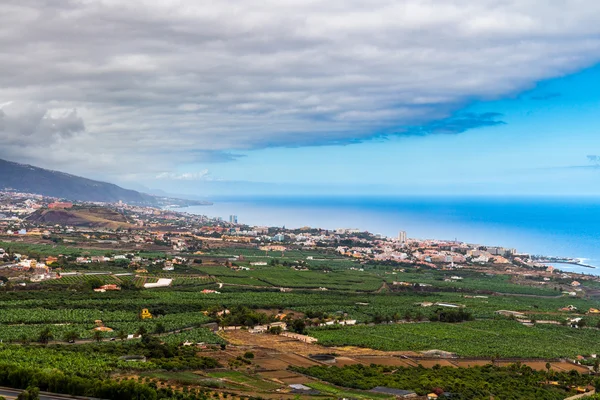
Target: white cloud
158, 84
185, 176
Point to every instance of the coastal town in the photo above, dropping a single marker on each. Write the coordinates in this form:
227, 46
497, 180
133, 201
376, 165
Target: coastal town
175, 233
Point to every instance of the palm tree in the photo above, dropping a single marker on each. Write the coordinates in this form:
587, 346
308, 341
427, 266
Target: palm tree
24, 339
45, 336
98, 336
142, 331
121, 335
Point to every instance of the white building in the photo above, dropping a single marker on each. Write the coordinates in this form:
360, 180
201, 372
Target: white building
402, 236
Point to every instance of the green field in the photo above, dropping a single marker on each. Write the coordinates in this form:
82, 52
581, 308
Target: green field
469, 339
328, 289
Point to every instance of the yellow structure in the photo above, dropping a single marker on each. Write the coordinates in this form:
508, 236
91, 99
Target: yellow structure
145, 314
100, 326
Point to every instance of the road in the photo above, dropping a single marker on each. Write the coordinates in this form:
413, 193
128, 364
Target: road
11, 394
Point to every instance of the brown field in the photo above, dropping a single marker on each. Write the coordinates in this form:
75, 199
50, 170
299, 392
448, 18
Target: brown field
271, 364
471, 363
297, 360
344, 361
565, 366
286, 345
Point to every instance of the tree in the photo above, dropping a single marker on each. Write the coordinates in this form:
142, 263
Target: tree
299, 326
98, 336
95, 283
45, 336
142, 331
31, 393
24, 339
275, 330
71, 336
159, 328
121, 335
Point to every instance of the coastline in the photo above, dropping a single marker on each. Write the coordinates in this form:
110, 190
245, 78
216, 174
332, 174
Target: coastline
564, 227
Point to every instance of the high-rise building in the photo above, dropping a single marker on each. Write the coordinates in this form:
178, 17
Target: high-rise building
233, 219
402, 236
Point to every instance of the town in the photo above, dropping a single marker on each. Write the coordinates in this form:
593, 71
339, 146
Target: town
150, 229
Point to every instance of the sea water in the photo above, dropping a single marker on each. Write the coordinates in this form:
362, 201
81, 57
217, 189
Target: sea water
550, 226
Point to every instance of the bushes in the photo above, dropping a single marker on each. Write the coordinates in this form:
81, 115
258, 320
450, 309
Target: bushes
451, 316
513, 382
57, 382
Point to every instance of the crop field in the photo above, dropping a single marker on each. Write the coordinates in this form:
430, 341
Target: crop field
19, 325
197, 335
281, 276
78, 363
322, 288
346, 393
469, 339
470, 282
82, 279
244, 379
49, 249
191, 280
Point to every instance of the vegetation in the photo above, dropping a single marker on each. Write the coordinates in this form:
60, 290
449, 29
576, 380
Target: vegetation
49, 340
470, 339
513, 382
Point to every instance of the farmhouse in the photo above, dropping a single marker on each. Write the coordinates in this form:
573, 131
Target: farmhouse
299, 337
104, 288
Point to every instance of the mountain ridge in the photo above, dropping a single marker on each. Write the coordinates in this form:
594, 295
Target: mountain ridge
31, 179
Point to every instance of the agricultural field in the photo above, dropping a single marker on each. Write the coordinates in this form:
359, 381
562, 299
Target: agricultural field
244, 379
490, 338
50, 249
105, 279
512, 382
18, 325
80, 363
281, 276
37, 320
196, 335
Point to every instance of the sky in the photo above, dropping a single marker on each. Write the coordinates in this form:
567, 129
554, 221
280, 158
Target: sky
194, 97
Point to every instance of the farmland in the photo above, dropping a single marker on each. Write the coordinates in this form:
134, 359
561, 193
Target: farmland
53, 323
468, 339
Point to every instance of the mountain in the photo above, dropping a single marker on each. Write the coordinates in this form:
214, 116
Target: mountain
30, 179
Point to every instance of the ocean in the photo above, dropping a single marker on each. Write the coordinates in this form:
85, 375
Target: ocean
551, 226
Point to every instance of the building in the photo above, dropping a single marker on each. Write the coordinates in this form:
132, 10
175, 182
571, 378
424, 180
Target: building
233, 219
402, 236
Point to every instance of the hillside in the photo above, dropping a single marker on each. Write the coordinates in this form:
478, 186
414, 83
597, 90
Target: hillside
93, 217
30, 179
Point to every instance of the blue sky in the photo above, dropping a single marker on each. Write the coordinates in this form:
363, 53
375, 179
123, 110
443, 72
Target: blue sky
395, 97
540, 148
